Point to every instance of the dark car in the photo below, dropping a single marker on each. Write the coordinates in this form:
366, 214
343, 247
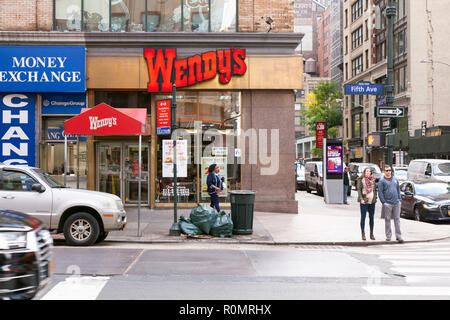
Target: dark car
425, 201
356, 169
25, 255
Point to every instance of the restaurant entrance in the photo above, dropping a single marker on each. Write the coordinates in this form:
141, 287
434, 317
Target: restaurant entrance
118, 170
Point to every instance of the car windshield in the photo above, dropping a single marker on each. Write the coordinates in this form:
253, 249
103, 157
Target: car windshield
400, 173
432, 189
319, 167
301, 171
442, 169
374, 168
47, 178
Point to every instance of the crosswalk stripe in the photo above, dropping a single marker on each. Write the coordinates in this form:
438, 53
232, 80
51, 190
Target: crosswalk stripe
414, 257
77, 288
416, 263
417, 253
426, 270
408, 290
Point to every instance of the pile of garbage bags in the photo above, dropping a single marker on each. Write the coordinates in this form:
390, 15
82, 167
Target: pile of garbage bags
204, 220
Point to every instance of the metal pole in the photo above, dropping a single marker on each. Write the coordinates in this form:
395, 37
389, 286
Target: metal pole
78, 162
139, 187
175, 228
65, 160
391, 12
363, 124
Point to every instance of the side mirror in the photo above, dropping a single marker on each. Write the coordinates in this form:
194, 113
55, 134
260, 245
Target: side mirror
428, 173
38, 187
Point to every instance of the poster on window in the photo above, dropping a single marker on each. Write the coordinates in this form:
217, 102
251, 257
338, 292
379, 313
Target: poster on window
167, 158
221, 162
334, 159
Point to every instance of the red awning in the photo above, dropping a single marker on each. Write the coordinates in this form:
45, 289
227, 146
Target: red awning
106, 120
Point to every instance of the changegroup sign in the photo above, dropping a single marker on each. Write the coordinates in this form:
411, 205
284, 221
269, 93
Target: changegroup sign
42, 69
17, 128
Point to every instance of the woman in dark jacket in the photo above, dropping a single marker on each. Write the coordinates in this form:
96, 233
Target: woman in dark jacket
214, 184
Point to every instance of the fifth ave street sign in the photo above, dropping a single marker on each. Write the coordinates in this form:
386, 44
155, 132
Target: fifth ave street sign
364, 87
389, 112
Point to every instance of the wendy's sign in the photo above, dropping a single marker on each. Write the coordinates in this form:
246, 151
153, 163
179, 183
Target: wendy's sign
164, 69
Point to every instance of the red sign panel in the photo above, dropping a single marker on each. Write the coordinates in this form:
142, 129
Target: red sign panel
163, 116
320, 134
164, 69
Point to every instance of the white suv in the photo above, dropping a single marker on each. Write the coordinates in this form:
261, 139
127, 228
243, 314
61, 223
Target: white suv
85, 217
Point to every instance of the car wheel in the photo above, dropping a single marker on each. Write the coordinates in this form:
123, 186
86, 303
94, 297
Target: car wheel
417, 216
319, 190
102, 236
308, 189
81, 229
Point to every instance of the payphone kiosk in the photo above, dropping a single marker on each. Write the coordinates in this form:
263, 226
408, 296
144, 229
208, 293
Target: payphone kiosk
333, 167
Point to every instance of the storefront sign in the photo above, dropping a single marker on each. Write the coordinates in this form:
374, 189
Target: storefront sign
320, 134
17, 128
58, 135
42, 69
164, 69
167, 158
163, 116
334, 159
222, 164
219, 151
63, 103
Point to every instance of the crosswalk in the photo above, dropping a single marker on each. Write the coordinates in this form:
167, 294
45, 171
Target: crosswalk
423, 267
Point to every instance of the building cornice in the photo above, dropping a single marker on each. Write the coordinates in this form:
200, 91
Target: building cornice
255, 43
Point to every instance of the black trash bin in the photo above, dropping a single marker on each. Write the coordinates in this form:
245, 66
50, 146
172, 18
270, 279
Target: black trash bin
242, 204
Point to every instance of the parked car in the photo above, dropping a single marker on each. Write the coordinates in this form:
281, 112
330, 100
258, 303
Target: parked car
314, 177
301, 182
400, 173
25, 255
425, 201
85, 217
429, 169
356, 169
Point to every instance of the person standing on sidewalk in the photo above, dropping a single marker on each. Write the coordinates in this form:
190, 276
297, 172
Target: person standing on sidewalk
214, 184
346, 184
367, 197
391, 198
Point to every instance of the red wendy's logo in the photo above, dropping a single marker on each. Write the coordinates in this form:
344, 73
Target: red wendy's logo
164, 69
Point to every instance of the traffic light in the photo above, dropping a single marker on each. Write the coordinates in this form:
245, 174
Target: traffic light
375, 139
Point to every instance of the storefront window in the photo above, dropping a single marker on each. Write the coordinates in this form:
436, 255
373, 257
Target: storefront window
52, 154
208, 120
127, 15
223, 15
96, 15
164, 16
120, 99
146, 15
68, 15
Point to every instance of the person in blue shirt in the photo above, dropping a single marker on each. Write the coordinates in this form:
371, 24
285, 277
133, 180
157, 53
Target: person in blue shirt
214, 184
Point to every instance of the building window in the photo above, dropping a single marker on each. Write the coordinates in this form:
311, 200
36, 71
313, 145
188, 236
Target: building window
357, 37
367, 59
346, 44
346, 18
400, 43
357, 65
357, 9
401, 79
356, 125
381, 51
146, 15
367, 30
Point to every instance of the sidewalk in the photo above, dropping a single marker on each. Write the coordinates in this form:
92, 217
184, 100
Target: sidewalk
323, 227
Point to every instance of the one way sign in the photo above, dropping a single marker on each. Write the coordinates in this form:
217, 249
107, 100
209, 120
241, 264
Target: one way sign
389, 112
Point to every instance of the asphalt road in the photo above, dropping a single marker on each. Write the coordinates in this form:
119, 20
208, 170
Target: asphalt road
130, 271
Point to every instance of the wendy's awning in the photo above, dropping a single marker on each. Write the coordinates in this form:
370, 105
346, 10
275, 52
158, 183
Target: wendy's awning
106, 120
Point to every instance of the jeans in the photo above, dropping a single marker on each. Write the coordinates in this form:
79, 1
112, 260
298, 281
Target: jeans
392, 210
215, 201
345, 193
364, 208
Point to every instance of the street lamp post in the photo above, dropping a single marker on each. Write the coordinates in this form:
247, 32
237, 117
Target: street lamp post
175, 228
434, 61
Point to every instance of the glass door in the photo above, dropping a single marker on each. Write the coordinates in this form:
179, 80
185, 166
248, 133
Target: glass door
109, 166
131, 173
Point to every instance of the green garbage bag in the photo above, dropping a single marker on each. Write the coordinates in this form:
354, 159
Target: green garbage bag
203, 217
223, 227
187, 227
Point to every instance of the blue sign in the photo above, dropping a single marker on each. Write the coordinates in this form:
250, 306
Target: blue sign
17, 128
57, 134
364, 88
42, 69
63, 103
164, 130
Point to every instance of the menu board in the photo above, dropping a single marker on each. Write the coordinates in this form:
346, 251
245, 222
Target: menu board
167, 158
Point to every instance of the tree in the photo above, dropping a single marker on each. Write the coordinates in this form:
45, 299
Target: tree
323, 105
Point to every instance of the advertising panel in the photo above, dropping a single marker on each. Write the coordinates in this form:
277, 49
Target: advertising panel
221, 162
334, 159
163, 116
320, 134
167, 158
42, 69
18, 129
